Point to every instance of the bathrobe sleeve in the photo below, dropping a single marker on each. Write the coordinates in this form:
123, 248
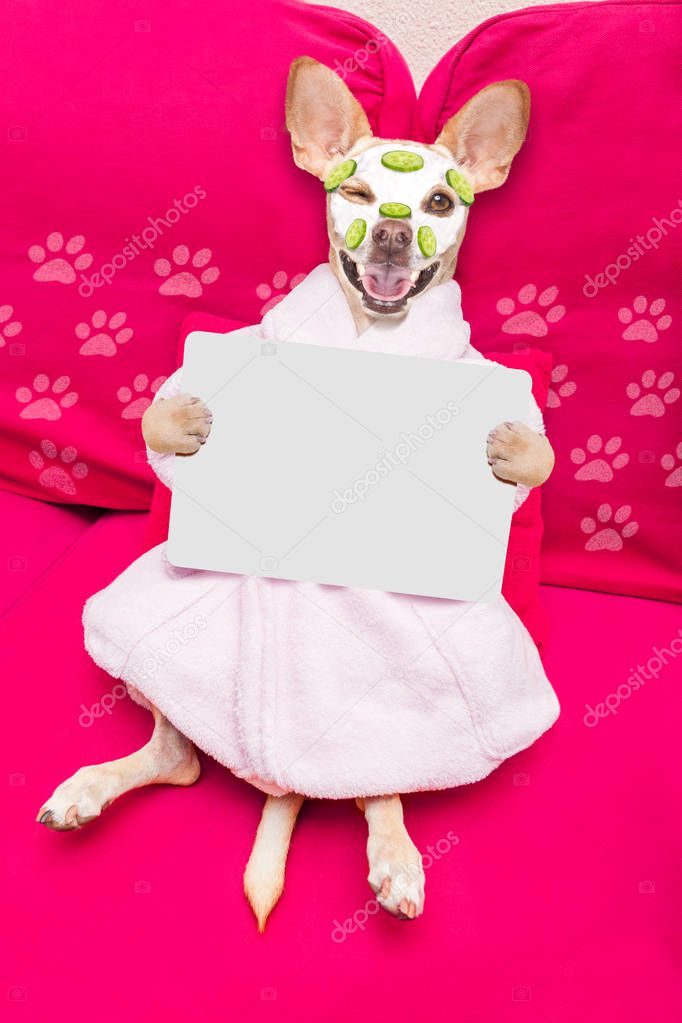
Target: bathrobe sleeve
163, 465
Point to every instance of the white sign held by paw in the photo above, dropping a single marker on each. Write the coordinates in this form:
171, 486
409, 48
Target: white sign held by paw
345, 467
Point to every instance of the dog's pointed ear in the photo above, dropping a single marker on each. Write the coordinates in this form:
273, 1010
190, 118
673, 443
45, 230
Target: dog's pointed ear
487, 133
324, 119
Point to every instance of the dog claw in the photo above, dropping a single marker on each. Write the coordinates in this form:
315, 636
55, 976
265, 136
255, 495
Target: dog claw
71, 816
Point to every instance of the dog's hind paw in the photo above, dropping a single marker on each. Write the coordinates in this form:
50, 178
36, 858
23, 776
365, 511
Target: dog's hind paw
74, 803
396, 875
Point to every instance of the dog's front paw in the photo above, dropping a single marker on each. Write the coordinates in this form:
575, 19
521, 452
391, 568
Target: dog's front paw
518, 454
396, 875
178, 425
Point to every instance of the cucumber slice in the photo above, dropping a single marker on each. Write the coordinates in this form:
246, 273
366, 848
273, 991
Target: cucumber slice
339, 174
461, 186
395, 209
426, 240
356, 233
401, 160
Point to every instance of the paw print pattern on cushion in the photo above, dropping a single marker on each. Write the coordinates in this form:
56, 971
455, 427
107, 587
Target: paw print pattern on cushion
54, 475
272, 294
9, 328
673, 465
43, 405
59, 262
609, 537
530, 321
646, 397
561, 388
97, 340
644, 328
600, 460
187, 281
137, 399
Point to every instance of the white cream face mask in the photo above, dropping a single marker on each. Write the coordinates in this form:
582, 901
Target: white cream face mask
409, 185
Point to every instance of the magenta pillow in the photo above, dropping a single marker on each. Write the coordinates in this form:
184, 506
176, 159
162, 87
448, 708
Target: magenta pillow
579, 254
153, 177
522, 570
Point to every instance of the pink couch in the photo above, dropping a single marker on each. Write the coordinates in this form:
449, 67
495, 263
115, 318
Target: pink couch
555, 882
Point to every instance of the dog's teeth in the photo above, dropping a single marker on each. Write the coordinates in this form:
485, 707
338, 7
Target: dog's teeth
361, 269
414, 276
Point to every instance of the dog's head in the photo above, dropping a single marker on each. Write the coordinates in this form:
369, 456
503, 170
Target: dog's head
397, 210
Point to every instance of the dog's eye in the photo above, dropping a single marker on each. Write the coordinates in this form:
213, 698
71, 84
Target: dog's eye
357, 191
439, 202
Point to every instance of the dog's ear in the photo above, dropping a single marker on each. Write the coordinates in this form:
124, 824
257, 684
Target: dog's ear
487, 133
323, 117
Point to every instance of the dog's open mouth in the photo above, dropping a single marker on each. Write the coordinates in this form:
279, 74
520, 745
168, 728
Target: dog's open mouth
385, 287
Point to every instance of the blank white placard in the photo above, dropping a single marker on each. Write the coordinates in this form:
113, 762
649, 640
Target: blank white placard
345, 467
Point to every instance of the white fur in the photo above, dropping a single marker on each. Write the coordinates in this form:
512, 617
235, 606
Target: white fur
409, 188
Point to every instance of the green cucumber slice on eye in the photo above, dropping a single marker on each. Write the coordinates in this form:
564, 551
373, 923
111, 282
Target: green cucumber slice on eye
339, 174
356, 233
401, 160
461, 186
395, 209
426, 240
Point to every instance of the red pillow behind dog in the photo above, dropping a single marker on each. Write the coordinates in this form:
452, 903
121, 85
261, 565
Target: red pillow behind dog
146, 184
520, 584
582, 250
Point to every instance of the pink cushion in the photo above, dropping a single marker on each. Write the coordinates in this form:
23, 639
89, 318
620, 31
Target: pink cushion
522, 570
590, 857
598, 169
34, 536
150, 174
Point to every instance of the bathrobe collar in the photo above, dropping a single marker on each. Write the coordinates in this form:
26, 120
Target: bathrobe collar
317, 312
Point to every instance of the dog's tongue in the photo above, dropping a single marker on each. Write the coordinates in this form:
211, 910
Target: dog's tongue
386, 282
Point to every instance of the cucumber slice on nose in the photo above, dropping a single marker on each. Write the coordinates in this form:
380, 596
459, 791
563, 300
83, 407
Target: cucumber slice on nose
339, 174
401, 160
395, 209
356, 233
461, 186
426, 240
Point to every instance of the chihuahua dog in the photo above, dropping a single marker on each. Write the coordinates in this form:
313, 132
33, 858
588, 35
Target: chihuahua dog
386, 254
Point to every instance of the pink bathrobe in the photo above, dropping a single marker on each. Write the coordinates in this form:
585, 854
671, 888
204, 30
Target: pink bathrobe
324, 690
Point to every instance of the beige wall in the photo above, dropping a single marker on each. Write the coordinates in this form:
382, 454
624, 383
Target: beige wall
424, 29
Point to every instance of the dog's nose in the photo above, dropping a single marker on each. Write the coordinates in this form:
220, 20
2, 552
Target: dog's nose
392, 235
